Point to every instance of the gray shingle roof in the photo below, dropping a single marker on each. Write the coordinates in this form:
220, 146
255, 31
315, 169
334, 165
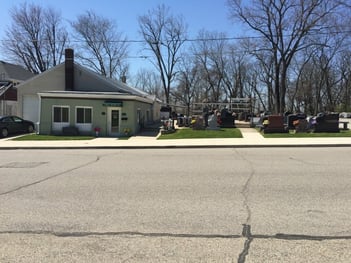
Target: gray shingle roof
10, 71
110, 85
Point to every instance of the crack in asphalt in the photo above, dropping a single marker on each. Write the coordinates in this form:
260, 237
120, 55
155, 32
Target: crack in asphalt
246, 230
246, 227
246, 233
49, 177
303, 161
246, 189
300, 237
245, 193
122, 233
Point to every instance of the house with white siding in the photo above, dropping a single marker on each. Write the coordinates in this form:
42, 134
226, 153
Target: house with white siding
10, 76
70, 97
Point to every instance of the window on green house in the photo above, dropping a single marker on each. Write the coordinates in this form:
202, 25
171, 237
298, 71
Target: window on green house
84, 115
61, 114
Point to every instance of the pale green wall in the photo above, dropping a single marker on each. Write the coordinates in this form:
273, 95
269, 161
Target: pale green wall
143, 109
128, 110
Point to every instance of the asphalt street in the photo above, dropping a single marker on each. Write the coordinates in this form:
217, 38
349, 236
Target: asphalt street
176, 205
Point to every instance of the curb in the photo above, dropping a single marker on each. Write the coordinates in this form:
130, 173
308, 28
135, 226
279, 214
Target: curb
173, 147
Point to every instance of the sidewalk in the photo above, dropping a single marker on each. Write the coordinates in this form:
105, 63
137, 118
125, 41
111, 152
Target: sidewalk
251, 138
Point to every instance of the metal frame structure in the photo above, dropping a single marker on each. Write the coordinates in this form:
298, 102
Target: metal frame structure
235, 105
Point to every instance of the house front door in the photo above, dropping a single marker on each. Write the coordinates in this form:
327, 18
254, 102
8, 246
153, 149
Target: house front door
113, 121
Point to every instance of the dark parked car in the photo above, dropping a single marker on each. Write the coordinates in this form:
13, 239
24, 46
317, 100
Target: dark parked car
14, 125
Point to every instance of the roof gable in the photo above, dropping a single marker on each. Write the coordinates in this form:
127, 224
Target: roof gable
12, 72
86, 80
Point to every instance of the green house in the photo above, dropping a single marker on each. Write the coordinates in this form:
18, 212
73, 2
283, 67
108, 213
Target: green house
70, 98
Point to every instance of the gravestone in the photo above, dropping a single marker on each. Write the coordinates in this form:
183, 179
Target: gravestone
301, 125
212, 123
199, 123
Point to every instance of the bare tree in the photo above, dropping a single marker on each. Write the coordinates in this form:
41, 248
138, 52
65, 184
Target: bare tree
319, 75
36, 37
148, 81
100, 46
210, 54
345, 84
236, 72
284, 27
188, 79
164, 35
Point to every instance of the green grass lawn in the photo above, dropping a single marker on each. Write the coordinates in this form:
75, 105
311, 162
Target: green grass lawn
38, 137
188, 133
342, 133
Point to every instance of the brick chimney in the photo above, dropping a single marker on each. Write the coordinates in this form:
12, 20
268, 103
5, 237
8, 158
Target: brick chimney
69, 69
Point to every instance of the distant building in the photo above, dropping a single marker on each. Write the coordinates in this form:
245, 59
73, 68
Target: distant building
10, 76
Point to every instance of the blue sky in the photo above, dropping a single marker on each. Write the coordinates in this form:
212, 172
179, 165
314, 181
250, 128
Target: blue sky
211, 15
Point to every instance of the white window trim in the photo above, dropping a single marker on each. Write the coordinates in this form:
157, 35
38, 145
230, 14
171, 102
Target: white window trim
85, 127
83, 107
57, 126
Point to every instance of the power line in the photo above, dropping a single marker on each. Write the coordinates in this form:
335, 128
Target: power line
314, 33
